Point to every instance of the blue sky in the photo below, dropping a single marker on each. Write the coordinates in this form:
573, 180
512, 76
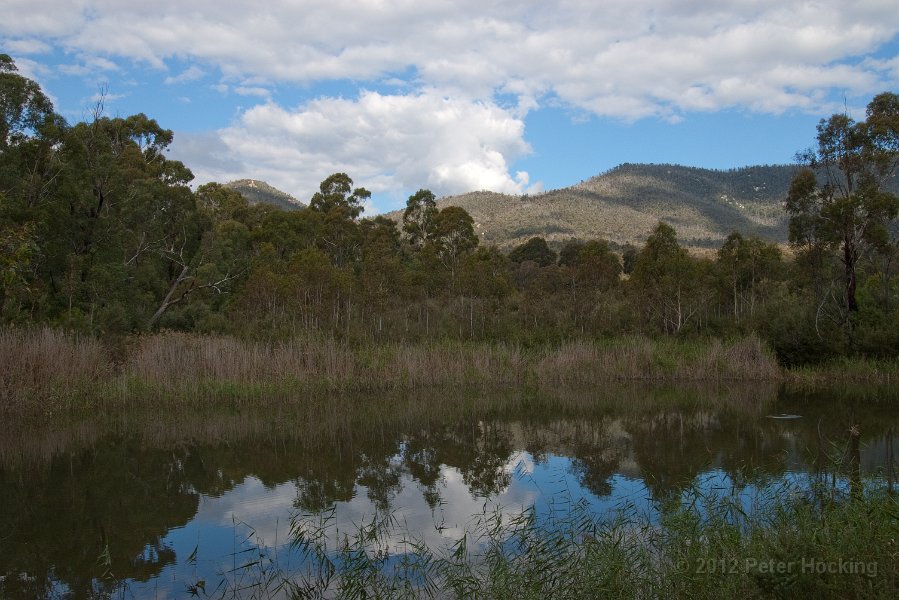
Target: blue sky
511, 96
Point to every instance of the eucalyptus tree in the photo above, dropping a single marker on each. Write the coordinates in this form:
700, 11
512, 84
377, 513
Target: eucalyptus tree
743, 263
340, 204
535, 249
667, 280
30, 130
418, 218
453, 237
838, 205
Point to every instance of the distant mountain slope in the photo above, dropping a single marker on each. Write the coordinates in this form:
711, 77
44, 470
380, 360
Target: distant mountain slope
256, 191
624, 204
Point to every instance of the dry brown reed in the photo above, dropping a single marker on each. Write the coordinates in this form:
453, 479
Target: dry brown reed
37, 365
175, 359
638, 358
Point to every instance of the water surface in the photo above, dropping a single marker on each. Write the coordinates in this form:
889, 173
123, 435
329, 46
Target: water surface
147, 504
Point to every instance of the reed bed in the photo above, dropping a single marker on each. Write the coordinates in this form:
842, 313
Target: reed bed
639, 358
847, 370
40, 369
46, 368
171, 359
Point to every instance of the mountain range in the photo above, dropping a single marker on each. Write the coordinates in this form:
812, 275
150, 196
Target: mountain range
622, 205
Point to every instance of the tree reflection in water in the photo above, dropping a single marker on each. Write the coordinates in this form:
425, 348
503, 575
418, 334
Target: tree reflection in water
124, 485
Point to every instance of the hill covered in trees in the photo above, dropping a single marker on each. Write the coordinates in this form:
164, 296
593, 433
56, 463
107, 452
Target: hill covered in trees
625, 203
255, 192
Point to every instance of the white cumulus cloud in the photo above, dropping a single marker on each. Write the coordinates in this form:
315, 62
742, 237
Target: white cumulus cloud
622, 58
618, 59
192, 73
387, 143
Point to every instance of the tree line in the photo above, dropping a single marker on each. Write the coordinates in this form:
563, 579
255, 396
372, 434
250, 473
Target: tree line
101, 233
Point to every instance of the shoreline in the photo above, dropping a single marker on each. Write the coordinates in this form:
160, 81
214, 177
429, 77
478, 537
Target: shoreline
44, 371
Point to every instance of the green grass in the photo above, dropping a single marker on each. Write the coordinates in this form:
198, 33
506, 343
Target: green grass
847, 369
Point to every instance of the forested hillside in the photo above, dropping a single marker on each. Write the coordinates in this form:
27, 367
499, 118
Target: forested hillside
624, 204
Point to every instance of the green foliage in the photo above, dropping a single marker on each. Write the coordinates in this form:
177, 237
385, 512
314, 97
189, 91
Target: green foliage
535, 250
705, 545
453, 235
336, 193
418, 218
849, 213
668, 280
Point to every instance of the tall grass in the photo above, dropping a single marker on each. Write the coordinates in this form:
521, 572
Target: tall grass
40, 365
171, 359
847, 370
40, 369
639, 358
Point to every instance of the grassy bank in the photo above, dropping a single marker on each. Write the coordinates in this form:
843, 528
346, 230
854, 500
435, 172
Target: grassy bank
846, 370
44, 370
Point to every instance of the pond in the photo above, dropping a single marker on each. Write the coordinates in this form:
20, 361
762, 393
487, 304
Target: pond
151, 503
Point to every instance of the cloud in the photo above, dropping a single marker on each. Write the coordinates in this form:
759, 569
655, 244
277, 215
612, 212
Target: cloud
622, 58
88, 65
463, 75
252, 91
387, 143
26, 46
105, 97
192, 73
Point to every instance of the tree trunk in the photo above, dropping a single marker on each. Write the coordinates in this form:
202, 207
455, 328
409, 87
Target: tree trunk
167, 301
849, 261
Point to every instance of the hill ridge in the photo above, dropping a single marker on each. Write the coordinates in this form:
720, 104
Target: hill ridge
624, 203
256, 191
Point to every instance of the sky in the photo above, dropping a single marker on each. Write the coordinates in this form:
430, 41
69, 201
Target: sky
513, 96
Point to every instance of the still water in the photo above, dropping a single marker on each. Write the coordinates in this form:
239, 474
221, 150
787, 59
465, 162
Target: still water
146, 504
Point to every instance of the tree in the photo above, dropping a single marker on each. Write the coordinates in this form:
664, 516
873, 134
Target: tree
29, 133
666, 279
337, 193
418, 218
485, 273
220, 203
743, 263
381, 275
536, 250
849, 211
569, 254
25, 111
597, 265
454, 236
340, 204
126, 232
